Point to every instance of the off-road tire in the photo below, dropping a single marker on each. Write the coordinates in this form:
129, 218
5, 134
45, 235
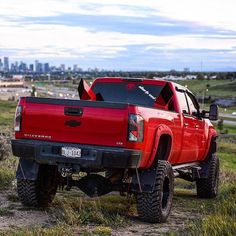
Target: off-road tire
155, 207
39, 192
208, 187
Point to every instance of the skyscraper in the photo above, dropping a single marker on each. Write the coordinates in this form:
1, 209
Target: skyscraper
62, 67
36, 66
46, 67
6, 64
31, 67
75, 68
1, 65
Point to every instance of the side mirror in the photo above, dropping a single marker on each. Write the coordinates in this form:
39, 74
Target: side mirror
213, 113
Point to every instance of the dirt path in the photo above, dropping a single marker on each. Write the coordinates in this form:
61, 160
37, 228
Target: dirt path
17, 216
13, 215
178, 220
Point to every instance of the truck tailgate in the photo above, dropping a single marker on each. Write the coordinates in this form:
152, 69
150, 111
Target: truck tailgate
75, 121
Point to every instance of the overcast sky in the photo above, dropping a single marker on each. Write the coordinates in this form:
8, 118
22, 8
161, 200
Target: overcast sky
121, 34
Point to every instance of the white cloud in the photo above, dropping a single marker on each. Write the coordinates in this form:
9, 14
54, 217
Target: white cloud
214, 13
62, 41
53, 39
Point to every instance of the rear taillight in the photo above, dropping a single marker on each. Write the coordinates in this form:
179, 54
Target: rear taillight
18, 118
135, 128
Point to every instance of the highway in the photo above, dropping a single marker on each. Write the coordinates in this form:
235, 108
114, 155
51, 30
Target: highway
230, 116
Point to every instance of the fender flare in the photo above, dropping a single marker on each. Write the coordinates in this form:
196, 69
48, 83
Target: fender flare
211, 146
161, 130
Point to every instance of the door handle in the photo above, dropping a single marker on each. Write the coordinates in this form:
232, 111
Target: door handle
186, 124
72, 111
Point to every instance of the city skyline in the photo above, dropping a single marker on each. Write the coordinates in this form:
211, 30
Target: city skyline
121, 35
38, 66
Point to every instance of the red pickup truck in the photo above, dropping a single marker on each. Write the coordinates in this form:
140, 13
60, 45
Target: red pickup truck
142, 133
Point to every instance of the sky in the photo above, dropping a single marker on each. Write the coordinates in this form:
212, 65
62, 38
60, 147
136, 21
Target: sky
121, 34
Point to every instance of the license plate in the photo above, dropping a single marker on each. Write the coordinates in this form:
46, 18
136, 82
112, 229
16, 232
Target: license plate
70, 152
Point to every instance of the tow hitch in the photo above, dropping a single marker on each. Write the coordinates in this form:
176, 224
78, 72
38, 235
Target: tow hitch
66, 172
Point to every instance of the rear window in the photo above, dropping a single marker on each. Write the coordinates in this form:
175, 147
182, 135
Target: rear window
134, 93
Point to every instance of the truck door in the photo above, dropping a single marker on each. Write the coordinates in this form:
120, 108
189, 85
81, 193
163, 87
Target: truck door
189, 150
199, 125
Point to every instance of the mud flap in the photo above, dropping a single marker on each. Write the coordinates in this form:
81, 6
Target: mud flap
143, 181
203, 173
27, 169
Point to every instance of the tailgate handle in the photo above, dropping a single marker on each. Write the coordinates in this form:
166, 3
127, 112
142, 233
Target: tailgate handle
72, 111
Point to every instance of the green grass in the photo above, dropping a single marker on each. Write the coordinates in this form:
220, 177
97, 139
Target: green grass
5, 212
218, 219
13, 198
227, 154
231, 128
224, 90
7, 172
228, 110
219, 216
218, 88
106, 211
227, 129
7, 112
57, 230
6, 178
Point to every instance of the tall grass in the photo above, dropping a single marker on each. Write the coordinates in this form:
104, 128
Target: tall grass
219, 219
7, 111
110, 210
58, 230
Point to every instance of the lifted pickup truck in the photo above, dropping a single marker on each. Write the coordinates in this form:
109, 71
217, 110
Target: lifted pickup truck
142, 133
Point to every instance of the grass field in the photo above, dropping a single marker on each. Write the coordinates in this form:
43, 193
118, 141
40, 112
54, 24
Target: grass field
219, 217
75, 214
217, 88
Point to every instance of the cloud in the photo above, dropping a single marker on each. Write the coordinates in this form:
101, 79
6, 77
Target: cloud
113, 30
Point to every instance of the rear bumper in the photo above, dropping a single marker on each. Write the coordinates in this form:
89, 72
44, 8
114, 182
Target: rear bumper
92, 157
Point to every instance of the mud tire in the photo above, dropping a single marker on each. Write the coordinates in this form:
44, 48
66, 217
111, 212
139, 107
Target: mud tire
155, 207
39, 192
208, 187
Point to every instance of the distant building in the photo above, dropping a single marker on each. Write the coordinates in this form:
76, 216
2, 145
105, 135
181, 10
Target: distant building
75, 68
13, 69
46, 67
62, 67
1, 65
36, 66
31, 67
22, 67
15, 81
40, 68
6, 64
